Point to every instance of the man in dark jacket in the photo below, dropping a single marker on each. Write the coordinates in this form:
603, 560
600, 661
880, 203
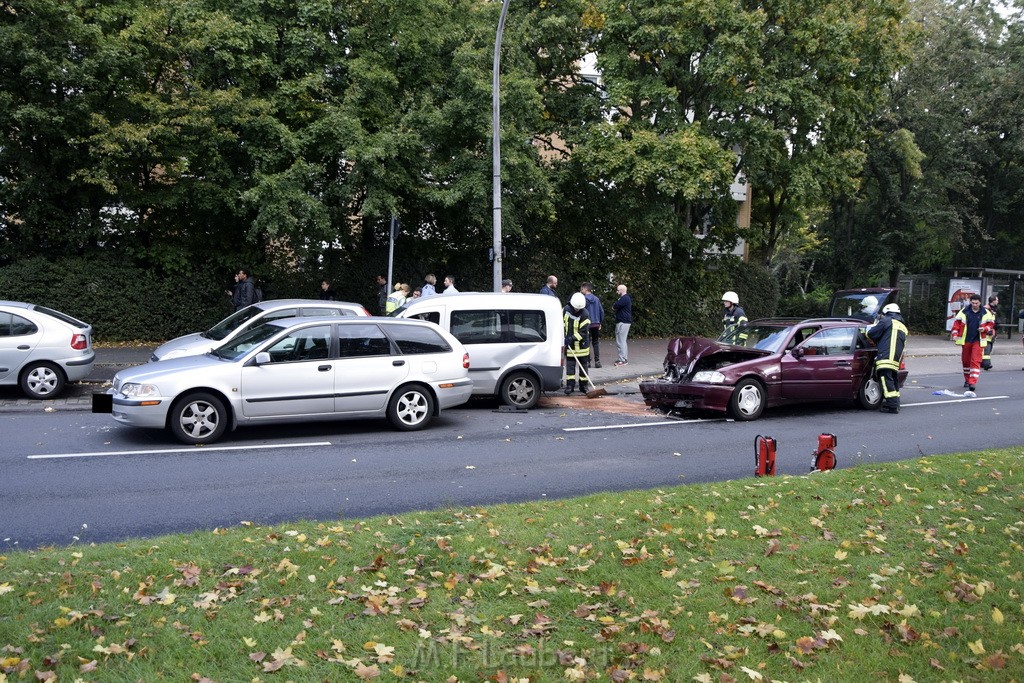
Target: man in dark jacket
595, 311
245, 291
890, 336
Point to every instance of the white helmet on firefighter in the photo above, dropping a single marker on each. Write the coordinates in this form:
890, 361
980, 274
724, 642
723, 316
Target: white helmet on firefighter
578, 301
891, 308
869, 304
731, 297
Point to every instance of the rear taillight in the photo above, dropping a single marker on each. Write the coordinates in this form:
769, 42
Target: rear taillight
465, 360
79, 342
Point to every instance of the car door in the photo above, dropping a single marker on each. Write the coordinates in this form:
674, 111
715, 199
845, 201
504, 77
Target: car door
18, 336
820, 367
367, 369
298, 380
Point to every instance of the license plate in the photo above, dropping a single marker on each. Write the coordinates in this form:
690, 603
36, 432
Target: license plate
102, 403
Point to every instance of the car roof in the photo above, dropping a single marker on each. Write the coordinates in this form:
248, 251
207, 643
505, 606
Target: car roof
348, 320
866, 290
509, 296
17, 304
284, 303
793, 322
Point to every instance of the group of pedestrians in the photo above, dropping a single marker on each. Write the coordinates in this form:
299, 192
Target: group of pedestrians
389, 301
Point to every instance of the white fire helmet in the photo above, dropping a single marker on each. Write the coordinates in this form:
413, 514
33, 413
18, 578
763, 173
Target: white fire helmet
869, 304
731, 297
891, 308
578, 301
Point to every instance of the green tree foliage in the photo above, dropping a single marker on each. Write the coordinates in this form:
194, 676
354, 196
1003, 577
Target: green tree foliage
190, 136
943, 174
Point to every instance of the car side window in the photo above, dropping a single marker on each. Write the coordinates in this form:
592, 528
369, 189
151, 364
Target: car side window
325, 312
429, 316
355, 341
12, 325
413, 339
308, 343
835, 341
526, 326
477, 327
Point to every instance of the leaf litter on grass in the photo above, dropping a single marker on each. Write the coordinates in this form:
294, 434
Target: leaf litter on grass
907, 571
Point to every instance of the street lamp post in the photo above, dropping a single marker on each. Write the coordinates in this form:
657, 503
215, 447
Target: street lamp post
496, 146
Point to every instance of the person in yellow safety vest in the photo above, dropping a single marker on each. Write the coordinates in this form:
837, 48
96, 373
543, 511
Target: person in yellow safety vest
576, 326
972, 328
986, 352
397, 298
890, 336
732, 318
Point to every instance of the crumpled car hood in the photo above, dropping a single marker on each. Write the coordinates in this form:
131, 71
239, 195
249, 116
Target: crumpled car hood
686, 352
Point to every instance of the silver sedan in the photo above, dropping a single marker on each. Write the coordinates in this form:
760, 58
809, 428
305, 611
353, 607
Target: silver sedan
298, 370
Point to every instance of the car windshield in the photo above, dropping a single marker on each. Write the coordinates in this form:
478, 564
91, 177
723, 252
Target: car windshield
232, 322
766, 337
237, 348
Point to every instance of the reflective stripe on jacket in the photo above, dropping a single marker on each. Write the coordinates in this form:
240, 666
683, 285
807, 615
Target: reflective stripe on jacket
577, 332
986, 328
890, 336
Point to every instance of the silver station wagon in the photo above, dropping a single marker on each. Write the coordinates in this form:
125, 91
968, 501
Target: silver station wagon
250, 318
298, 370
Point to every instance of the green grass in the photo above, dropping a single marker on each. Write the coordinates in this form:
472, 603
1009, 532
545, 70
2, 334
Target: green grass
910, 571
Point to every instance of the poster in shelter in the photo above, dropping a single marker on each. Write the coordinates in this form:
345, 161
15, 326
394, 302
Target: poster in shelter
960, 290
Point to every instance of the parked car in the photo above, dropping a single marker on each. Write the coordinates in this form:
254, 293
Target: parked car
768, 363
298, 370
250, 318
515, 340
863, 304
42, 349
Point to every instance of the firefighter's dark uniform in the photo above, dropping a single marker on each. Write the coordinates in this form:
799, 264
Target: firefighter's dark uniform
732, 318
577, 346
890, 336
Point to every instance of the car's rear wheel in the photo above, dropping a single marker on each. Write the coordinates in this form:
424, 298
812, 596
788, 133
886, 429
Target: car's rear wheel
870, 395
748, 400
410, 408
198, 418
520, 390
42, 380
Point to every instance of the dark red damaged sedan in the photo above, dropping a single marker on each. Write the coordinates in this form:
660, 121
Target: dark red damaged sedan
768, 363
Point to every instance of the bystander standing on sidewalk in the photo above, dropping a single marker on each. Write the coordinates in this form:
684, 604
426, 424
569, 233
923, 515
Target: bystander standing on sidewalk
623, 308
595, 311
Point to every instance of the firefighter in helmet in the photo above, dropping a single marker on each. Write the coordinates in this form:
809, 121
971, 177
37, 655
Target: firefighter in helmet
890, 336
732, 317
576, 326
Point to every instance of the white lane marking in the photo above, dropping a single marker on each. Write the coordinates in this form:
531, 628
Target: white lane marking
192, 449
641, 424
957, 400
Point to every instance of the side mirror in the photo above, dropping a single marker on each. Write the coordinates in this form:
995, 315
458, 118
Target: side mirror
262, 358
798, 352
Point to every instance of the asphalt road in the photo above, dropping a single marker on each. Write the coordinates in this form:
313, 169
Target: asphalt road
74, 477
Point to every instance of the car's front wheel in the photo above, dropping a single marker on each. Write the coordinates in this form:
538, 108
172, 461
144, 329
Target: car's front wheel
199, 418
410, 408
870, 395
42, 380
520, 390
748, 400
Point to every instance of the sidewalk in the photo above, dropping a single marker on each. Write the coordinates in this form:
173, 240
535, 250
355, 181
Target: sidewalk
645, 362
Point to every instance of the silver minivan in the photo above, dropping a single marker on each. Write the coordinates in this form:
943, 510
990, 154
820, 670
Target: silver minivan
514, 340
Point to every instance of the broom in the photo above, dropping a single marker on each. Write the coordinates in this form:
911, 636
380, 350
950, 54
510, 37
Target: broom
594, 391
